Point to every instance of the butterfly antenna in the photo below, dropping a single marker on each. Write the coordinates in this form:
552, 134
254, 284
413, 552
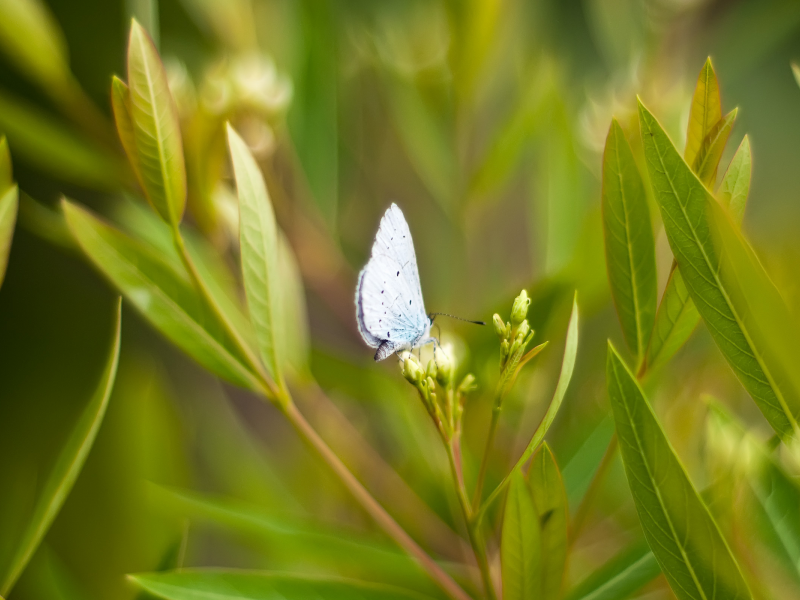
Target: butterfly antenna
434, 315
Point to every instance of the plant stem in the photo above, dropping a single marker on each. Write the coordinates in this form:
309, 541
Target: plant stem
594, 487
375, 510
475, 538
476, 499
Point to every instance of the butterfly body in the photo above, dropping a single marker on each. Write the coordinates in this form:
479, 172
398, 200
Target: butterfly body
389, 308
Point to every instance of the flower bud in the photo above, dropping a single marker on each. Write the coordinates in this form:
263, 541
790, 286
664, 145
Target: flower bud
431, 370
445, 369
499, 326
411, 370
504, 348
467, 384
431, 386
524, 330
520, 309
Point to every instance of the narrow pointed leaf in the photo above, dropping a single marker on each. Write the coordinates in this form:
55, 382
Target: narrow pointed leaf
67, 467
214, 584
735, 186
630, 250
258, 235
705, 112
521, 543
710, 152
550, 499
121, 105
294, 324
686, 207
163, 294
676, 319
620, 577
156, 128
9, 204
680, 530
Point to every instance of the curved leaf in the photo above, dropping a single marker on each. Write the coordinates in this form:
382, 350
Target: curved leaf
163, 295
521, 543
550, 498
710, 152
156, 128
630, 250
705, 112
680, 530
121, 106
258, 234
6, 169
620, 577
214, 584
735, 186
67, 467
686, 207
294, 324
9, 204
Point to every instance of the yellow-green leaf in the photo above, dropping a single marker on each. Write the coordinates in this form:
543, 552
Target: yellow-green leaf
67, 467
9, 205
520, 544
156, 128
121, 105
705, 112
258, 235
708, 156
6, 169
686, 207
294, 324
620, 577
680, 530
735, 186
550, 499
161, 293
630, 250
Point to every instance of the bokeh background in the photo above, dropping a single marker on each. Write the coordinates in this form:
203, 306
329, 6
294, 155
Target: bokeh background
485, 121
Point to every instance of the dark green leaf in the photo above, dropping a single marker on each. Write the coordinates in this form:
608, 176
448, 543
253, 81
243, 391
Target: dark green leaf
521, 543
710, 152
162, 293
156, 128
620, 577
39, 140
67, 467
550, 498
211, 584
630, 250
686, 207
735, 186
681, 532
9, 204
705, 112
258, 234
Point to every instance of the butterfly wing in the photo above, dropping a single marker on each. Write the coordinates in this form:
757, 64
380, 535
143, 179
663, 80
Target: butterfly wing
389, 308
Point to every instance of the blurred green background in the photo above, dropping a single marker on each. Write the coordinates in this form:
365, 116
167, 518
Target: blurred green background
485, 121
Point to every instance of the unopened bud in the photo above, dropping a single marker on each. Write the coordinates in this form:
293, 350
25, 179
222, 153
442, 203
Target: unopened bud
467, 384
431, 370
520, 308
499, 326
524, 330
430, 386
504, 348
445, 371
411, 370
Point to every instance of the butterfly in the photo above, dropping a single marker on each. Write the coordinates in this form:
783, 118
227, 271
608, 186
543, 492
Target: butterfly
389, 308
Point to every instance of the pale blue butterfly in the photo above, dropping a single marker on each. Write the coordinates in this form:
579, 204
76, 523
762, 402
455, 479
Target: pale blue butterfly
389, 308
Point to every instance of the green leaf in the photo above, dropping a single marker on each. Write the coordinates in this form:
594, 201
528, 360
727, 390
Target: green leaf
630, 249
550, 498
214, 584
36, 138
258, 235
686, 207
6, 169
735, 186
622, 576
676, 319
156, 128
121, 105
710, 152
683, 536
30, 36
163, 294
521, 543
294, 324
9, 204
705, 112
67, 467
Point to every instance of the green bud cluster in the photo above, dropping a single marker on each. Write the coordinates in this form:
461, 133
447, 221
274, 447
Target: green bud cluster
516, 333
436, 385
